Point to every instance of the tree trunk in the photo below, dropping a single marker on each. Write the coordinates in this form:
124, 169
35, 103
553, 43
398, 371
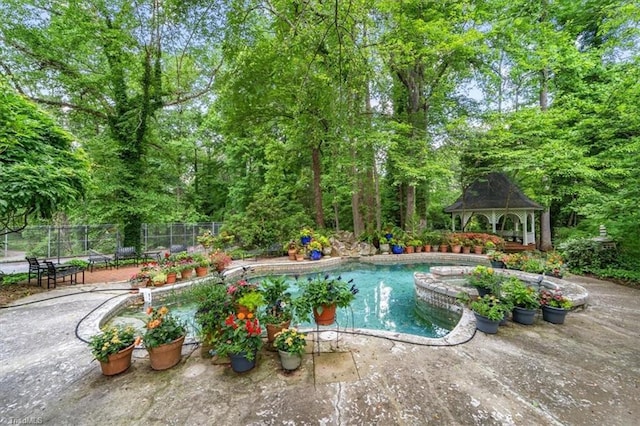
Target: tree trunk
545, 231
317, 190
411, 206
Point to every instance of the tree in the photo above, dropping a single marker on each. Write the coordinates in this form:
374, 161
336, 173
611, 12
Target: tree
109, 67
40, 171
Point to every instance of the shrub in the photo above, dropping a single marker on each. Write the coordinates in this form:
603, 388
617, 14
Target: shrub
586, 255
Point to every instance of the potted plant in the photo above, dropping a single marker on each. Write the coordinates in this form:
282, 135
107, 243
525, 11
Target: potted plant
496, 257
158, 278
113, 348
184, 263
326, 245
305, 235
213, 305
414, 243
485, 280
525, 300
219, 260
201, 264
277, 313
397, 246
291, 345
322, 295
489, 310
163, 338
315, 250
554, 306
240, 340
292, 249
251, 300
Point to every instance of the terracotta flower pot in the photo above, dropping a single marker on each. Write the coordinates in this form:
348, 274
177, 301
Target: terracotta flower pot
185, 274
166, 356
327, 316
201, 271
171, 278
118, 362
273, 329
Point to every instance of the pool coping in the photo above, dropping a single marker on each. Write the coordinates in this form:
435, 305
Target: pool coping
462, 332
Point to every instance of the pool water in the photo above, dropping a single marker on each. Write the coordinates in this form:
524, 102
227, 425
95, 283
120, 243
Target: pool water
385, 301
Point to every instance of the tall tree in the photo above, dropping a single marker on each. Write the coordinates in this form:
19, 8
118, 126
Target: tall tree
40, 172
111, 66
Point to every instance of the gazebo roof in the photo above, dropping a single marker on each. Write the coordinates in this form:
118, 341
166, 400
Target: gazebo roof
494, 191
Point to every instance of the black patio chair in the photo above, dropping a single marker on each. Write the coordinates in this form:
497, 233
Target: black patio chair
36, 269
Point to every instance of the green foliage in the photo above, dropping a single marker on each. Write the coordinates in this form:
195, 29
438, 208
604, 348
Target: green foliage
251, 300
213, 305
162, 327
322, 290
486, 278
587, 255
519, 294
490, 307
16, 278
277, 298
290, 340
111, 340
239, 335
40, 172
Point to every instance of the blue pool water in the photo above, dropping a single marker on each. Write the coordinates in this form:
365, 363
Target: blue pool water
386, 301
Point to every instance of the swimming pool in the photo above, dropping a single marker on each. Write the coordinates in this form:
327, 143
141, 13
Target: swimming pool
386, 301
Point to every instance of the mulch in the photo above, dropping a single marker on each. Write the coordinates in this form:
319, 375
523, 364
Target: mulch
10, 293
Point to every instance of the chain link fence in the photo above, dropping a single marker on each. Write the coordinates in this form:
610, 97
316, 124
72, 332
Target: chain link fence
77, 240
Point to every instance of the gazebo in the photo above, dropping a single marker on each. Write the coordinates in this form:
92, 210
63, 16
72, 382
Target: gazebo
499, 200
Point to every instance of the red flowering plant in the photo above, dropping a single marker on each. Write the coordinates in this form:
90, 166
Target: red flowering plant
241, 334
554, 299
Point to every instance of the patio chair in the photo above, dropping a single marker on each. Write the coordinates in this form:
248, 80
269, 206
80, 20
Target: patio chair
35, 268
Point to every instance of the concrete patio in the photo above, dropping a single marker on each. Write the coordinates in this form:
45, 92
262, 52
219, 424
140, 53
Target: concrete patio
585, 372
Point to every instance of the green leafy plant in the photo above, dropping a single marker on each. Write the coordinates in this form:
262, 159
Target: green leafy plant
240, 334
485, 278
519, 294
315, 245
490, 307
290, 340
213, 305
251, 300
305, 232
112, 340
319, 291
200, 260
158, 277
277, 300
161, 327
